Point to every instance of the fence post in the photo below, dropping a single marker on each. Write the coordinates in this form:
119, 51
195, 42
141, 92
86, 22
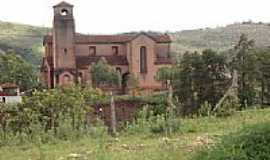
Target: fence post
113, 115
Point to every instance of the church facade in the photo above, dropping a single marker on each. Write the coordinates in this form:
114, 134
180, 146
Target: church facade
68, 55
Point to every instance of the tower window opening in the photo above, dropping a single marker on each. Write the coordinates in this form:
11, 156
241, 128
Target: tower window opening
64, 12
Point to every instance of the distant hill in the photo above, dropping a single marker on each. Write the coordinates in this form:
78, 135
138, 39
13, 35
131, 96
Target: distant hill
26, 40
220, 38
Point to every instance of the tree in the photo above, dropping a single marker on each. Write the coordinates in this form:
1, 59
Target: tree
103, 74
246, 65
200, 78
186, 81
214, 80
263, 58
14, 69
165, 74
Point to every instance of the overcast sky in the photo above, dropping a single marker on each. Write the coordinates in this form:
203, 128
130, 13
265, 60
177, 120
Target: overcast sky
114, 16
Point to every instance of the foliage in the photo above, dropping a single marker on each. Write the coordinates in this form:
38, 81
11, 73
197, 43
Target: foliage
24, 40
252, 142
15, 70
148, 123
200, 78
59, 113
263, 79
219, 38
245, 63
164, 74
226, 110
103, 74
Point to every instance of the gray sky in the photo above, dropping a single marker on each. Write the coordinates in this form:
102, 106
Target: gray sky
114, 16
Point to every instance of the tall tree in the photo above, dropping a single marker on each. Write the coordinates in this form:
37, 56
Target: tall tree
263, 57
246, 65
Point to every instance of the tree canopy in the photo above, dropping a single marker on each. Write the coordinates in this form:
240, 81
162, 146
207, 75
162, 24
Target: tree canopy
14, 69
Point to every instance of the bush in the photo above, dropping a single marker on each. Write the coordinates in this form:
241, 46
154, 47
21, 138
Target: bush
147, 123
46, 116
250, 143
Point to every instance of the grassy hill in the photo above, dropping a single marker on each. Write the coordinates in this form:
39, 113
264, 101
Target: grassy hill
220, 38
26, 40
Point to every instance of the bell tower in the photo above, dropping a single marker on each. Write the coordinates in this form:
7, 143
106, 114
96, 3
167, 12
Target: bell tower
63, 41
63, 36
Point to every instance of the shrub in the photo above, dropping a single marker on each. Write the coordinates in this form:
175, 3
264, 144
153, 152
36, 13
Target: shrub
205, 109
56, 114
250, 143
148, 123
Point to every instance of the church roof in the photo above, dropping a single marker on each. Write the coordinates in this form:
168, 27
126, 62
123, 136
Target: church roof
63, 4
85, 61
121, 38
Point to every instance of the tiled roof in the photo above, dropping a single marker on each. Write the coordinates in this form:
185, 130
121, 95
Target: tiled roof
121, 38
8, 85
103, 38
85, 61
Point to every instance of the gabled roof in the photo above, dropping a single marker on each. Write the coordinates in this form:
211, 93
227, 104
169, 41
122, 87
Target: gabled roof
120, 38
63, 4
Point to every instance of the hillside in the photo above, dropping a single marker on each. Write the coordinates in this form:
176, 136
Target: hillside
26, 40
220, 38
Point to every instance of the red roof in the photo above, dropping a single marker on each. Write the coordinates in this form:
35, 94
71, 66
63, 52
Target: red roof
85, 61
7, 94
121, 38
8, 85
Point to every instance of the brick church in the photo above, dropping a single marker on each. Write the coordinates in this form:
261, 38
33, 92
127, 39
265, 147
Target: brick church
69, 55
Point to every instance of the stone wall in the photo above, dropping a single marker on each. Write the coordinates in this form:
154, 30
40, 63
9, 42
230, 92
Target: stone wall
125, 111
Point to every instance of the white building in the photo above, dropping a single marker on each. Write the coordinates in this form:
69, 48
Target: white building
10, 93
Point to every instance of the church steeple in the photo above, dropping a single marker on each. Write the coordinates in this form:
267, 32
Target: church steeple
63, 36
63, 39
63, 9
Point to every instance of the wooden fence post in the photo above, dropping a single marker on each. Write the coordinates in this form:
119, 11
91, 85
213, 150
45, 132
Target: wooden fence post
113, 115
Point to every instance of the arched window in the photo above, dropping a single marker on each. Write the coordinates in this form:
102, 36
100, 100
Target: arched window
66, 79
143, 60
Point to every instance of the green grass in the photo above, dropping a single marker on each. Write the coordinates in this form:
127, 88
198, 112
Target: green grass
196, 132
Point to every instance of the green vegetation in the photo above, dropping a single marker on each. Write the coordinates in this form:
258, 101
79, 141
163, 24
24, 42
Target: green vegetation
48, 115
193, 135
102, 73
184, 123
24, 40
220, 38
14, 69
252, 142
